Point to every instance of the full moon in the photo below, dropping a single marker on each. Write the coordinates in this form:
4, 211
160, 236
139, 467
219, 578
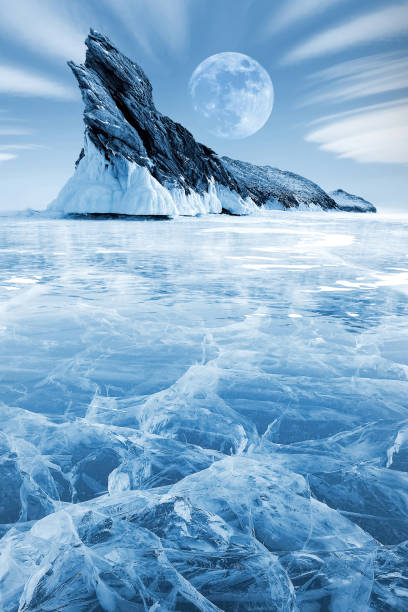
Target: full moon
232, 93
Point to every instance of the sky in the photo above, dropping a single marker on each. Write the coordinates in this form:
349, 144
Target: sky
339, 70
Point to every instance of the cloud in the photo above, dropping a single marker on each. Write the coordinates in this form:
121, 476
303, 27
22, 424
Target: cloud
20, 147
377, 133
366, 76
6, 157
5, 149
45, 27
148, 20
21, 82
171, 21
293, 11
370, 27
14, 131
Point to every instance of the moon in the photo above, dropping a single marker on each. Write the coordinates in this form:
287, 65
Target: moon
233, 95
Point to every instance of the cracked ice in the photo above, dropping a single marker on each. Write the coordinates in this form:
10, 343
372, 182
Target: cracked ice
204, 414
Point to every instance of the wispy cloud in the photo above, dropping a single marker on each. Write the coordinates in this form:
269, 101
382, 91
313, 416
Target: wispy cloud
7, 157
5, 150
171, 21
45, 27
293, 11
366, 76
20, 147
150, 20
377, 133
14, 131
370, 27
22, 82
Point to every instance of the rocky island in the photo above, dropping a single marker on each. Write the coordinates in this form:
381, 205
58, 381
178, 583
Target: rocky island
136, 161
351, 203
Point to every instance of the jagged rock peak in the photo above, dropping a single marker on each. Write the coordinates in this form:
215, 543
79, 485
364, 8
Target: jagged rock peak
121, 119
118, 73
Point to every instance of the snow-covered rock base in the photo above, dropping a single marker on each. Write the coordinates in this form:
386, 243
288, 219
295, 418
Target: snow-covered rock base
123, 187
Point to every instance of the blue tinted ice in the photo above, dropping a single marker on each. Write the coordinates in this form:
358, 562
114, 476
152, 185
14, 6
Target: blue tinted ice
204, 414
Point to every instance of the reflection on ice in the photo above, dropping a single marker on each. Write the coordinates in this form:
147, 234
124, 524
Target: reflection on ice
336, 288
204, 414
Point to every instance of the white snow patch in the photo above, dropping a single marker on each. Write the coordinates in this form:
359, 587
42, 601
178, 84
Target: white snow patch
124, 187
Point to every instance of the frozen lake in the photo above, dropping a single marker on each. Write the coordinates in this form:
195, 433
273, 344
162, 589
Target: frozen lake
204, 413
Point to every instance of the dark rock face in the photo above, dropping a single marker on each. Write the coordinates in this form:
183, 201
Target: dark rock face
270, 186
121, 119
351, 203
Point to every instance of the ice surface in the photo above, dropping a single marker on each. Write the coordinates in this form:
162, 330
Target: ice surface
204, 414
